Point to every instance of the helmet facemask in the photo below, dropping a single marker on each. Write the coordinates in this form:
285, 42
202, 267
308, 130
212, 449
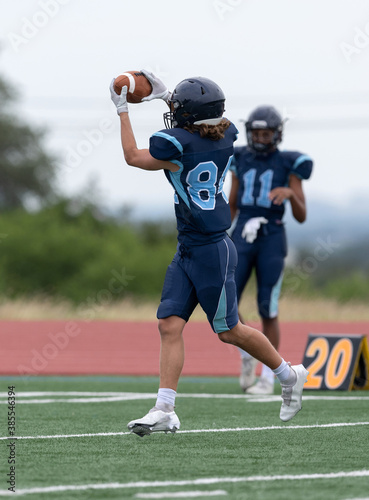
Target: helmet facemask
170, 116
260, 147
264, 118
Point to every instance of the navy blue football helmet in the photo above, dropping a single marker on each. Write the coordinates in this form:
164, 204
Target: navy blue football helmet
195, 101
264, 117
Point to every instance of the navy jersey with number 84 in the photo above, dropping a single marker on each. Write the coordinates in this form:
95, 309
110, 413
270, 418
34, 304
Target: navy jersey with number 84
202, 208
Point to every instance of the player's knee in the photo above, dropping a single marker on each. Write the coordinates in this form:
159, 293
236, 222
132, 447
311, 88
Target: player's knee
164, 326
171, 326
226, 337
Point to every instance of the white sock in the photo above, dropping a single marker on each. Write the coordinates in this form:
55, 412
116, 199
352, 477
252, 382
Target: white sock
285, 374
267, 374
166, 399
244, 354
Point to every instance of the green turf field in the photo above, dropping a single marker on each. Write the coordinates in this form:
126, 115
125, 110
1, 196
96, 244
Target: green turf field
76, 446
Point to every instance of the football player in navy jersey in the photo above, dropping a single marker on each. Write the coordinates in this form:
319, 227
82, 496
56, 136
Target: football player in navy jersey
195, 154
263, 179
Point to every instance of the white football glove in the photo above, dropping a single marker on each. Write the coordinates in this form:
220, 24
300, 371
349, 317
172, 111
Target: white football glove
159, 89
251, 228
120, 101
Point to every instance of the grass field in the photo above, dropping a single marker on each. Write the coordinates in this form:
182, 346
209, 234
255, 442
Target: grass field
72, 442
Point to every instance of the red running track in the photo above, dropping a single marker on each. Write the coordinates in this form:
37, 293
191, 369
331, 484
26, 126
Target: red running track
132, 348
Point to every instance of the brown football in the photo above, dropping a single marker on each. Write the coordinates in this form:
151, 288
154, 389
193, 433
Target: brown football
137, 83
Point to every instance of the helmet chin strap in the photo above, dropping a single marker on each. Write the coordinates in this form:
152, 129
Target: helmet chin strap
209, 121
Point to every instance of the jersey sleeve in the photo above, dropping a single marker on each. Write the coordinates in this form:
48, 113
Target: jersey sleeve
164, 146
234, 162
301, 165
234, 130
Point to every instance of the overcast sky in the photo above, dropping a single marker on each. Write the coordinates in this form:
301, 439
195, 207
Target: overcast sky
309, 58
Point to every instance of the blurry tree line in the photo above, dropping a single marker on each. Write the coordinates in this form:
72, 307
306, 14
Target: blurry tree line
66, 248
69, 249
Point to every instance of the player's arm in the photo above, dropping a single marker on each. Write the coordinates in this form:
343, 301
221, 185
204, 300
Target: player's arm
140, 158
233, 195
295, 194
297, 198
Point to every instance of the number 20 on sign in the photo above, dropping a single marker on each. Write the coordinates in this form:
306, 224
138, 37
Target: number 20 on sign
337, 362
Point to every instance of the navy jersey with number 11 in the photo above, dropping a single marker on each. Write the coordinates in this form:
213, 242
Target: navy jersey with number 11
258, 174
201, 206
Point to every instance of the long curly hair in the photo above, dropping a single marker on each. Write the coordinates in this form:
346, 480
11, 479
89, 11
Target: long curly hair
213, 132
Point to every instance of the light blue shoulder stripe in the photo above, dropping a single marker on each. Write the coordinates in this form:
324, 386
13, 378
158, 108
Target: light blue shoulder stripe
233, 165
176, 180
170, 138
300, 160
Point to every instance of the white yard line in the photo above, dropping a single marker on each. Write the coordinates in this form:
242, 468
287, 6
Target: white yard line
191, 482
49, 397
109, 399
196, 431
182, 494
